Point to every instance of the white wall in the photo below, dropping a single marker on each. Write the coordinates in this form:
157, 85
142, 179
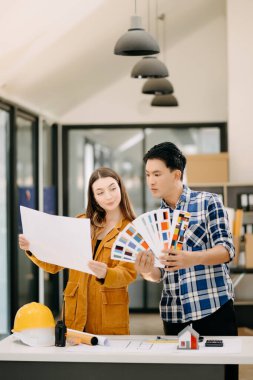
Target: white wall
196, 59
240, 89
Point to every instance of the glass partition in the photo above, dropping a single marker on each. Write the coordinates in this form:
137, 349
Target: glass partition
27, 196
51, 285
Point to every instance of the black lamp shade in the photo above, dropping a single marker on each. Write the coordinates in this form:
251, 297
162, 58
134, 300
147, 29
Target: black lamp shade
136, 41
159, 86
164, 101
149, 67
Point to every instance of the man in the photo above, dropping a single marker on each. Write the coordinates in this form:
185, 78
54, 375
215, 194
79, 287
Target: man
197, 288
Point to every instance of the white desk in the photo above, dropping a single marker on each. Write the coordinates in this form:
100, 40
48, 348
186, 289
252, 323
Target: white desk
21, 362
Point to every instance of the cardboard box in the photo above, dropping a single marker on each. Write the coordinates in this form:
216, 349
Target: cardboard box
249, 250
207, 168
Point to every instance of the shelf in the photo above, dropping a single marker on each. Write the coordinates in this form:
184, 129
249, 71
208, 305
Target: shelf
239, 270
230, 191
201, 185
243, 302
219, 184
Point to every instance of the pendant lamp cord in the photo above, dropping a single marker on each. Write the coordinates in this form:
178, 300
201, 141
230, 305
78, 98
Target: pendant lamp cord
135, 7
149, 16
156, 19
161, 17
164, 38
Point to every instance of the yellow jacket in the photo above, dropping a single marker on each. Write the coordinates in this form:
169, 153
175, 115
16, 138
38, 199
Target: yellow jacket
94, 307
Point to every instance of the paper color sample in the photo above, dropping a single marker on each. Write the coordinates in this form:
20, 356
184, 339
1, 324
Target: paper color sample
129, 243
142, 224
164, 226
179, 226
153, 231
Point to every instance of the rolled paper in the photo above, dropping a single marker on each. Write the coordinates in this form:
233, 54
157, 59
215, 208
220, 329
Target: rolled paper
73, 341
82, 337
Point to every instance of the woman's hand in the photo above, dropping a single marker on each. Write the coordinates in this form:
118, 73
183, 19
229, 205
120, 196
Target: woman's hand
23, 243
98, 268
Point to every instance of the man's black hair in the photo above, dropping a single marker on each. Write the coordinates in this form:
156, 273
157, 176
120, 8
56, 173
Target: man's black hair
169, 154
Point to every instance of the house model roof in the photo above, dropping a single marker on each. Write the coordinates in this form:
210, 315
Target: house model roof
190, 329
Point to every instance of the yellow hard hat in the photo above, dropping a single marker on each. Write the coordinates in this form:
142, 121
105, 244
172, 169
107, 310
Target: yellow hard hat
33, 316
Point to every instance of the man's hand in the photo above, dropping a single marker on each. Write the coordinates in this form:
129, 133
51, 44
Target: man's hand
144, 263
98, 268
174, 259
23, 243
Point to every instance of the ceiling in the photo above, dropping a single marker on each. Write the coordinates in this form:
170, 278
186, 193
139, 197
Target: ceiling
55, 54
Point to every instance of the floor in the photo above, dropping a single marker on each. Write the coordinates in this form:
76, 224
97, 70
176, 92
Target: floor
150, 324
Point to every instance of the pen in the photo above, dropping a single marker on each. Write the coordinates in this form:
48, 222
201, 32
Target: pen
162, 338
201, 338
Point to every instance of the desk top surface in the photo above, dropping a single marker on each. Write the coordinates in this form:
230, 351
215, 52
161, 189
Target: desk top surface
133, 349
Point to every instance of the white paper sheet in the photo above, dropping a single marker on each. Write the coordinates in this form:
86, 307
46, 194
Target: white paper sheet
231, 346
57, 239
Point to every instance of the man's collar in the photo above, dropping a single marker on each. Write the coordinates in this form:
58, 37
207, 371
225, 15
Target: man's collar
184, 197
186, 194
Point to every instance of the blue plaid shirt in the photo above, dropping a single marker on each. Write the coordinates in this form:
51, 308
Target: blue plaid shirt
196, 292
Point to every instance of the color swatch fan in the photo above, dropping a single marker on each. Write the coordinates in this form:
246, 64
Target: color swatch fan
155, 230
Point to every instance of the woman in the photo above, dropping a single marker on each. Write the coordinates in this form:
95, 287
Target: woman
98, 303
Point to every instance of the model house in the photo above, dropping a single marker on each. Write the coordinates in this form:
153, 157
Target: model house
188, 339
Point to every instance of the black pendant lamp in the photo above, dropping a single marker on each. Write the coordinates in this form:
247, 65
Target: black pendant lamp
164, 101
160, 86
136, 41
149, 67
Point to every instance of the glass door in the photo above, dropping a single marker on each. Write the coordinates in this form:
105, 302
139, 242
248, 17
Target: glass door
26, 172
50, 204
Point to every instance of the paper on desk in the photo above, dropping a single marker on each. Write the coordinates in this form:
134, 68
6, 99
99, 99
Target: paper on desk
111, 345
125, 345
231, 346
58, 240
102, 340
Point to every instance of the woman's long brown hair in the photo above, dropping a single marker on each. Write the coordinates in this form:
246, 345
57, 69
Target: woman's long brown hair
97, 214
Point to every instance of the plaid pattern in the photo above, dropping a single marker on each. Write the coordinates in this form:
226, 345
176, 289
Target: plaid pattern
196, 292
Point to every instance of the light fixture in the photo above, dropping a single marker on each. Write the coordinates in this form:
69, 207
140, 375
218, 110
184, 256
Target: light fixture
136, 41
149, 67
164, 101
160, 86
